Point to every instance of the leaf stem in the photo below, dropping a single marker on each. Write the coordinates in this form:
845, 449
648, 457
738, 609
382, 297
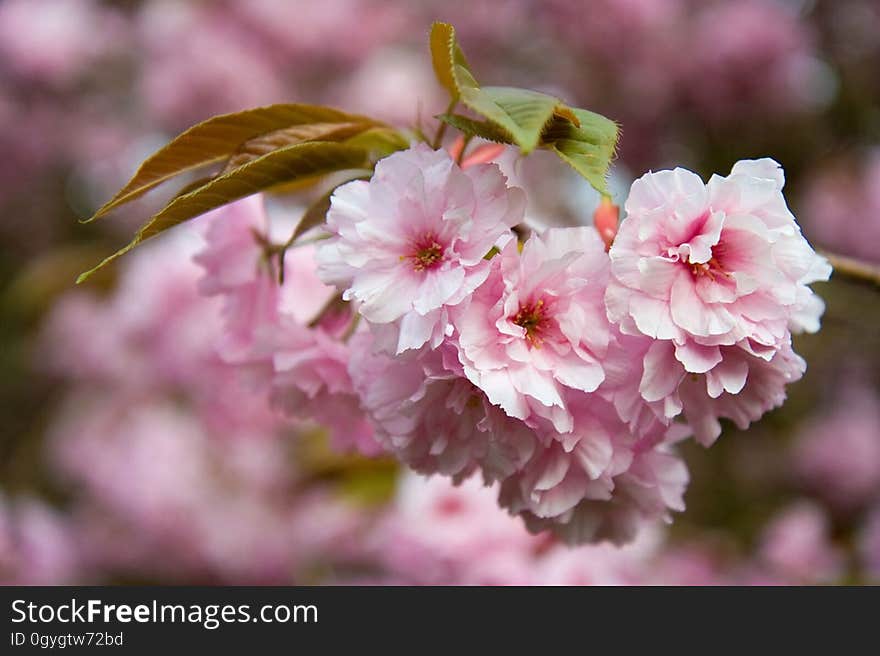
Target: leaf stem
441, 129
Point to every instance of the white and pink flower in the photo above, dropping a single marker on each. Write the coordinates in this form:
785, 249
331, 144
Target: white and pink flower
717, 275
432, 418
410, 244
537, 326
711, 265
641, 488
741, 387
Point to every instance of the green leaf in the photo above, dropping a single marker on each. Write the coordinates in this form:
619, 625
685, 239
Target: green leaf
528, 119
287, 164
482, 129
523, 114
589, 149
220, 137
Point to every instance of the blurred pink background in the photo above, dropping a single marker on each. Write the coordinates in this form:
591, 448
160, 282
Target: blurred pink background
130, 453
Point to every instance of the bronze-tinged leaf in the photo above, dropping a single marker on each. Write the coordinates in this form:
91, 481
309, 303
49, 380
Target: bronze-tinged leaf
289, 163
265, 144
217, 138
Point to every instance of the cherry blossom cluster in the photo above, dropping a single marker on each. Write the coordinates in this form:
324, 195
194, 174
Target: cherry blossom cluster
560, 365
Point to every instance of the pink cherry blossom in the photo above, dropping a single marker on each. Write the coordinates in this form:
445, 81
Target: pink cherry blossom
537, 326
558, 492
434, 419
311, 380
410, 243
718, 275
741, 387
710, 265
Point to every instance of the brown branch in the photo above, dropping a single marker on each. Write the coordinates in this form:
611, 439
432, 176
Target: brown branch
849, 268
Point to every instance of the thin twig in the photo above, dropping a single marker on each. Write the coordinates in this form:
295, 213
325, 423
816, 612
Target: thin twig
441, 129
333, 304
855, 270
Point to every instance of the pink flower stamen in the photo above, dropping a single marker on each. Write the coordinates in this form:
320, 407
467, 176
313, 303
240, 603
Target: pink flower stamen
428, 253
709, 269
533, 319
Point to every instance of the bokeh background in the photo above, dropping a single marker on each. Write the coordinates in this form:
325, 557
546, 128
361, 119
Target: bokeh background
130, 453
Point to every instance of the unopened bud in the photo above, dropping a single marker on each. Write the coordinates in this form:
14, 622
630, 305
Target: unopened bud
483, 155
606, 218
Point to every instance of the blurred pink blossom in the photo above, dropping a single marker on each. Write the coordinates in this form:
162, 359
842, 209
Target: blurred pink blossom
339, 31
266, 332
155, 480
437, 533
796, 544
752, 58
56, 40
837, 454
186, 81
37, 544
842, 207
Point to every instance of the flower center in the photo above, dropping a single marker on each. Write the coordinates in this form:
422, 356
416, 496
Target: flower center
710, 270
532, 318
427, 253
449, 505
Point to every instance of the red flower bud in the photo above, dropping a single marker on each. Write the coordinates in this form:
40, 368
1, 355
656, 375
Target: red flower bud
605, 218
